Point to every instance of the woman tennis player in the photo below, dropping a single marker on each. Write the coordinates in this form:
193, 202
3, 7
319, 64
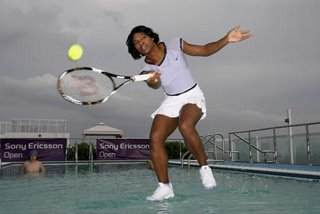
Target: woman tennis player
184, 103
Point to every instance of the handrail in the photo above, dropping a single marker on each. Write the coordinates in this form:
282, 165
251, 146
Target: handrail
183, 156
275, 149
214, 139
256, 148
247, 142
207, 139
276, 127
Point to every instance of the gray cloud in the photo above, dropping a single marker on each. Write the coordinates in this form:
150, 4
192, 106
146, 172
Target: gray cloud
247, 85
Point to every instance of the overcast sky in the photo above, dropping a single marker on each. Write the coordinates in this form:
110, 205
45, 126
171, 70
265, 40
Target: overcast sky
247, 85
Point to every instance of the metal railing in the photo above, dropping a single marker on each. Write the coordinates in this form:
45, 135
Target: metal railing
213, 141
249, 141
208, 140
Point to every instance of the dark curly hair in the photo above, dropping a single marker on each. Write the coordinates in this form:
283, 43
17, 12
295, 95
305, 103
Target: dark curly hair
140, 29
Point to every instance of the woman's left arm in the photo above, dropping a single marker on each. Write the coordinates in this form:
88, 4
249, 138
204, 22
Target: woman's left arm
234, 35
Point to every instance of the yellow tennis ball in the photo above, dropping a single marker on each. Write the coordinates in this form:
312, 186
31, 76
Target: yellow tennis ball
75, 52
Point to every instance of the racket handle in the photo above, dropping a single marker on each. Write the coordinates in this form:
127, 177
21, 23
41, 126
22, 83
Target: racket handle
141, 77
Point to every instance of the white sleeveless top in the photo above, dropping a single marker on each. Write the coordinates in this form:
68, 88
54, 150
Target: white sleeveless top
175, 73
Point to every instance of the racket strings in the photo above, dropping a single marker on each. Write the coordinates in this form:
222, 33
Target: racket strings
86, 86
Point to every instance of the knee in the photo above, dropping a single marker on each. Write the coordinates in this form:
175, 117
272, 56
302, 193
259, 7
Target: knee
185, 127
155, 137
156, 140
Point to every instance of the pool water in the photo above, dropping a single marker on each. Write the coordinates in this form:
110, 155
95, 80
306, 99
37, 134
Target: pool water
121, 189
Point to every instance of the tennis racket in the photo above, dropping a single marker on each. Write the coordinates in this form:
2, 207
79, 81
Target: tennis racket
90, 86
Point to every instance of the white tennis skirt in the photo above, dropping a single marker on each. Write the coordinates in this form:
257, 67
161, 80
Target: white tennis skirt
172, 105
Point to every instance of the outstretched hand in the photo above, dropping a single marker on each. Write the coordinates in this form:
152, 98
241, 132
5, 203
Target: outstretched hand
237, 35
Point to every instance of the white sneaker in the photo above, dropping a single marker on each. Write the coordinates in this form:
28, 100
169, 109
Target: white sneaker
164, 191
207, 178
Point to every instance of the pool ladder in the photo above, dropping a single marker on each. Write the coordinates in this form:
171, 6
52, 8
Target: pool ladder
207, 141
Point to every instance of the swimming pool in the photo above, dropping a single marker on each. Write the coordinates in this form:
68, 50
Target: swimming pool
120, 189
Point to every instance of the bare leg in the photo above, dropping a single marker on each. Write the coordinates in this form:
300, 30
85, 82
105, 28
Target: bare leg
162, 127
190, 114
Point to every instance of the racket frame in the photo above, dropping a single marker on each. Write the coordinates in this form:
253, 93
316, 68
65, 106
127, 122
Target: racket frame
111, 76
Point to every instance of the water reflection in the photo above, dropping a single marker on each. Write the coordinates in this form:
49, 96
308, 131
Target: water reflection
162, 207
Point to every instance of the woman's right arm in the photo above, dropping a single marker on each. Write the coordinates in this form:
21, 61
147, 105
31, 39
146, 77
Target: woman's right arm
154, 81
